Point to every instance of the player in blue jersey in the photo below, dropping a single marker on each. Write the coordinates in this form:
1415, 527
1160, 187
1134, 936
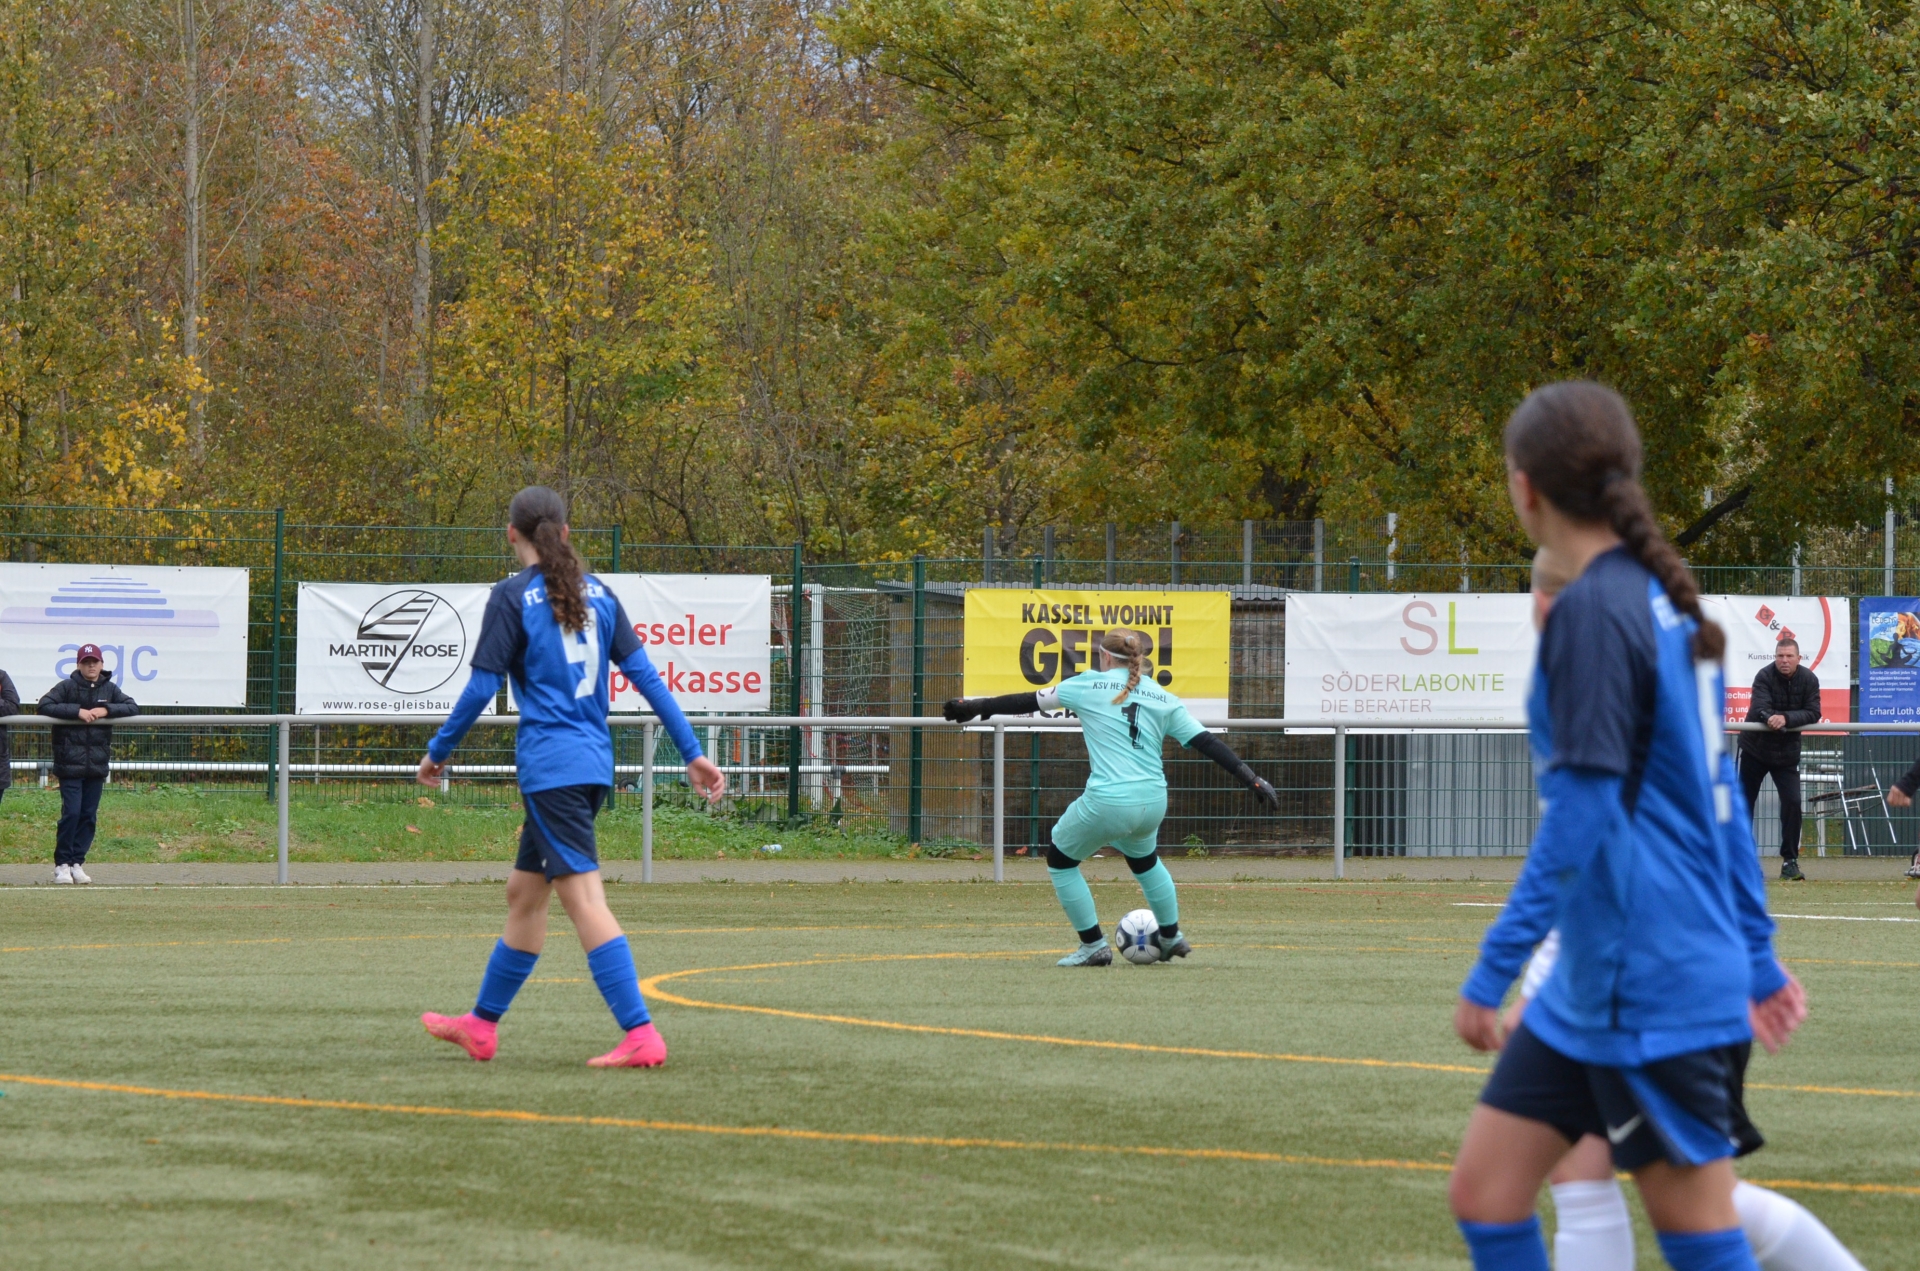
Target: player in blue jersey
1593, 1230
1643, 861
1123, 716
553, 629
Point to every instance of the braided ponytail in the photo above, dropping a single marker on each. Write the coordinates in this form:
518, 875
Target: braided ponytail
1136, 648
540, 515
1578, 445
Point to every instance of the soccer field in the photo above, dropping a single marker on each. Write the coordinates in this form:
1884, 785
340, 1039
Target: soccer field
865, 1075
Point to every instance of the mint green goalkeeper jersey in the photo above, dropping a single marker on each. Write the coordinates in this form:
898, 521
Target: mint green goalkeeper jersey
1123, 742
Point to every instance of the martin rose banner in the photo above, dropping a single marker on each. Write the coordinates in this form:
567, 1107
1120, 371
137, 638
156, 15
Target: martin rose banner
383, 648
171, 635
709, 636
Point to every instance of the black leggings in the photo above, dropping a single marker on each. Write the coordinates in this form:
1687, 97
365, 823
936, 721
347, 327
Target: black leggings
1786, 780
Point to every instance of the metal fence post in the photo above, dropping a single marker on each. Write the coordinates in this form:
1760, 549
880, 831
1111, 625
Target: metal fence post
986, 556
616, 551
1173, 561
273, 675
1319, 554
919, 695
1246, 553
1046, 550
1113, 548
793, 674
280, 795
999, 802
1339, 801
1887, 588
646, 801
1353, 573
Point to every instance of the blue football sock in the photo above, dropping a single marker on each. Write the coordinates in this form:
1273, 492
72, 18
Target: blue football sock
1506, 1246
507, 970
1075, 897
612, 967
1708, 1250
1157, 884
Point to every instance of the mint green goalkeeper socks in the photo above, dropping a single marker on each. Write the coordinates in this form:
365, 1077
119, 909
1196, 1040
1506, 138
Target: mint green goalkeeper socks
1076, 897
1157, 883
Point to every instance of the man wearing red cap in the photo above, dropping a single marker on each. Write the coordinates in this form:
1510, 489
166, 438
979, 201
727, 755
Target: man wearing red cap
80, 755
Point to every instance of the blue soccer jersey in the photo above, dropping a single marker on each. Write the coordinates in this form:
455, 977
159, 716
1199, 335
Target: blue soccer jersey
560, 683
1644, 860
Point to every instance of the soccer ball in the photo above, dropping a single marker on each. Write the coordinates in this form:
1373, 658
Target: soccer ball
1134, 937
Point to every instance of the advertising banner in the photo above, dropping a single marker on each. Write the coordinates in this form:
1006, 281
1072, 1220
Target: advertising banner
172, 635
708, 636
1389, 658
384, 648
1754, 624
1018, 641
1889, 659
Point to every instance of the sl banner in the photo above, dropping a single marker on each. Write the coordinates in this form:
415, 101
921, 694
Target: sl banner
1018, 641
1386, 658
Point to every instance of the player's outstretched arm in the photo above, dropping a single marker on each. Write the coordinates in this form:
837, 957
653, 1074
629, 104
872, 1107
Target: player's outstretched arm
1210, 745
959, 710
482, 688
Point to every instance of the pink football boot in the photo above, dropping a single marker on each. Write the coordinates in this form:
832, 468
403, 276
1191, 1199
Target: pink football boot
478, 1037
643, 1048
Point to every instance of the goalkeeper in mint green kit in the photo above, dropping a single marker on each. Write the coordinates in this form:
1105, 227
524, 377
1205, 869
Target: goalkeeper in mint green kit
1123, 715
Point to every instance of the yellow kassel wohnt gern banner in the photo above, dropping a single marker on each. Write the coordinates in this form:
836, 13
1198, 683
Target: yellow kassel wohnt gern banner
1018, 641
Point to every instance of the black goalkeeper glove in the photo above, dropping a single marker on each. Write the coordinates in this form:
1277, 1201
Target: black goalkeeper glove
1263, 790
959, 710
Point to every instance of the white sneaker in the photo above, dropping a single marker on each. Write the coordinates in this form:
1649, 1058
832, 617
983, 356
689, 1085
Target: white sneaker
62, 873
79, 875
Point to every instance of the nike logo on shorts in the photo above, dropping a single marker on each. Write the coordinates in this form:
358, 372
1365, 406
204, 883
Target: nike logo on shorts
1617, 1135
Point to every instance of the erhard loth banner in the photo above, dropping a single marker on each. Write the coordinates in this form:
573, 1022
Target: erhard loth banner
1821, 625
1889, 659
1018, 641
707, 634
1385, 658
385, 648
171, 635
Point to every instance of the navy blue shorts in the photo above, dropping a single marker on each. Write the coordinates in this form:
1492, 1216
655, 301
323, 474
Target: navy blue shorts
557, 838
1687, 1110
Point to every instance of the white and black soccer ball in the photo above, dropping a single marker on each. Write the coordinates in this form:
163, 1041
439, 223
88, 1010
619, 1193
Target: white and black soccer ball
1134, 937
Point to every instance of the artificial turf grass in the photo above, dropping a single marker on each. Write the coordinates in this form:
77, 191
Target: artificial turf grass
331, 1014
140, 823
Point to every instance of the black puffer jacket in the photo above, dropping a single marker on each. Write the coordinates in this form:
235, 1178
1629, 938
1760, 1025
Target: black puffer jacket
9, 705
1796, 697
84, 751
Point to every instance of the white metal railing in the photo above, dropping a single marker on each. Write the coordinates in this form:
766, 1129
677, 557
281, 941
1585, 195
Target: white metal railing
284, 768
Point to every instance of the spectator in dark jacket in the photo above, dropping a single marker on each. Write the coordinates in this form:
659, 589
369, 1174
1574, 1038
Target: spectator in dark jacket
1786, 697
80, 755
9, 705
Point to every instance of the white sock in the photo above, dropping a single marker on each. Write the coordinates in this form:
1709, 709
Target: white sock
1785, 1236
1592, 1231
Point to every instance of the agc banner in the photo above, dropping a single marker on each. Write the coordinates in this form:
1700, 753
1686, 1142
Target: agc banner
1390, 658
385, 648
1019, 641
707, 634
172, 635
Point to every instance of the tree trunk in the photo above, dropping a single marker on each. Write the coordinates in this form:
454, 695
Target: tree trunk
422, 216
194, 199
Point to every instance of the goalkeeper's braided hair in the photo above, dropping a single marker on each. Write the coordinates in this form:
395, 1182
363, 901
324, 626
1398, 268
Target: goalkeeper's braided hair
1136, 648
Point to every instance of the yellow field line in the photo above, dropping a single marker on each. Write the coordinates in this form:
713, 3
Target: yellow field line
1858, 1090
735, 1131
651, 987
832, 1136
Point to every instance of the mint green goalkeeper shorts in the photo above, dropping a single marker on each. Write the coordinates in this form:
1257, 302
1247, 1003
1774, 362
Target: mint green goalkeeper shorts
1094, 821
